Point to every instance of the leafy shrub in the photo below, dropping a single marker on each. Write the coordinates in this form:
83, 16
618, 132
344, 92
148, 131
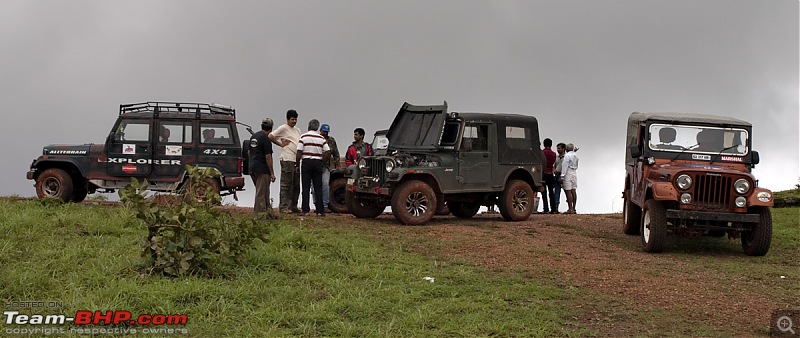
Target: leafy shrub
189, 235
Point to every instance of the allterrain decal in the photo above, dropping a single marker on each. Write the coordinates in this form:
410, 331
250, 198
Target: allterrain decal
66, 152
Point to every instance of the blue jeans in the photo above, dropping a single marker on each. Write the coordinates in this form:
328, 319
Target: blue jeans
556, 193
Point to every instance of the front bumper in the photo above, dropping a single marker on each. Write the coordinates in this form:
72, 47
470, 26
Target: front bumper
712, 216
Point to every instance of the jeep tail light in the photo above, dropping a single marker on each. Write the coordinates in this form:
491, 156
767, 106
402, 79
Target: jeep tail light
240, 165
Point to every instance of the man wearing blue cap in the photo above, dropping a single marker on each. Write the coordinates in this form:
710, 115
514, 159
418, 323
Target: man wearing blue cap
331, 164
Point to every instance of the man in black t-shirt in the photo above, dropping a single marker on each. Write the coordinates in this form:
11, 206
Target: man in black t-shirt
261, 169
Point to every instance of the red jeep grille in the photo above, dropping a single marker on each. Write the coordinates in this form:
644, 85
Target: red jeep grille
712, 192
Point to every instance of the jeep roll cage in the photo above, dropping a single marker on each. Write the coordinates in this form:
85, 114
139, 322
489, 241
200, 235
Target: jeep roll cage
157, 108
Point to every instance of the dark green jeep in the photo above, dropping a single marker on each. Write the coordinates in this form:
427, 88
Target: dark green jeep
465, 160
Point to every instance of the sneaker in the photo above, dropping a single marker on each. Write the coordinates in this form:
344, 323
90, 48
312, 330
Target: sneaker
302, 213
321, 214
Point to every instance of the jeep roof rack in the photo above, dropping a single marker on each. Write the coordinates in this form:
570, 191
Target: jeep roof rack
177, 108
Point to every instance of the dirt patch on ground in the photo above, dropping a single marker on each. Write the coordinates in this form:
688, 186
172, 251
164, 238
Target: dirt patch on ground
627, 289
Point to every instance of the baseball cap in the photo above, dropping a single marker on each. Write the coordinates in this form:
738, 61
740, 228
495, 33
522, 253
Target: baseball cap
325, 128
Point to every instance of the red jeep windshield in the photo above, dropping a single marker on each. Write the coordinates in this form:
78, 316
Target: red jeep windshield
698, 139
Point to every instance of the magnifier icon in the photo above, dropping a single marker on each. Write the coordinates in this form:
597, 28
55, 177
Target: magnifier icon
785, 324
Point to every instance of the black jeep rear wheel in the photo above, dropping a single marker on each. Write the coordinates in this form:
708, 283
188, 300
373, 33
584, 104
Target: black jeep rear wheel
463, 210
337, 202
362, 208
55, 183
516, 201
414, 203
757, 241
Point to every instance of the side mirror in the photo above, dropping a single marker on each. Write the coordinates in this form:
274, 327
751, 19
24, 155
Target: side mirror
635, 152
756, 158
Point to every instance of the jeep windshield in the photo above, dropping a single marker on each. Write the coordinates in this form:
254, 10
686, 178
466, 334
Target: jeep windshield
698, 139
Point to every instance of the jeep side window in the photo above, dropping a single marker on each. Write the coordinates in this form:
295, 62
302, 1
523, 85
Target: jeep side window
176, 132
478, 135
133, 131
215, 133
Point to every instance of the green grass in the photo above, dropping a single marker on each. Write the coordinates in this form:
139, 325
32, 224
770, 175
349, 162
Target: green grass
304, 281
787, 198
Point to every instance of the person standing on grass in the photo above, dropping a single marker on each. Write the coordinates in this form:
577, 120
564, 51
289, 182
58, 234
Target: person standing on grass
358, 149
311, 150
560, 150
549, 178
261, 170
286, 136
569, 177
331, 164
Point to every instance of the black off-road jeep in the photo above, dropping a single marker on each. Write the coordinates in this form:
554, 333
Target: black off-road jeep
465, 160
153, 141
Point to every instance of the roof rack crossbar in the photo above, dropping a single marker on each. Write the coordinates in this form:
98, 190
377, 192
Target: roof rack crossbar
176, 108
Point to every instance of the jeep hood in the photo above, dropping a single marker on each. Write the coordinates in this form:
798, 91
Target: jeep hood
68, 150
417, 127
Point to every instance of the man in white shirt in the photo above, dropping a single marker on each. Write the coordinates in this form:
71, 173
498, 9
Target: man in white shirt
569, 177
311, 150
286, 136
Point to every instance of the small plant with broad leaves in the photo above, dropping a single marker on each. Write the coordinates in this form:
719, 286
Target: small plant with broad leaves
191, 236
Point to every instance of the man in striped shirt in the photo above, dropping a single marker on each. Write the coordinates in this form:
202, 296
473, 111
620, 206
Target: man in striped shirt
311, 150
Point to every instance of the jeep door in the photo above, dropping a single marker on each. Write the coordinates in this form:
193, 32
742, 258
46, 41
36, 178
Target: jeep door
129, 148
475, 158
219, 147
174, 151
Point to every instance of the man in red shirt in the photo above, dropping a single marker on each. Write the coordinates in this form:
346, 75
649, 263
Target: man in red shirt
549, 178
358, 149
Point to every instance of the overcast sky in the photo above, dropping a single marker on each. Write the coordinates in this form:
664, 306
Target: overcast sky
580, 67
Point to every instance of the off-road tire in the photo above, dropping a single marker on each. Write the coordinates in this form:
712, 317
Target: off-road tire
336, 200
631, 217
757, 241
362, 209
654, 226
55, 183
516, 201
79, 191
463, 210
414, 203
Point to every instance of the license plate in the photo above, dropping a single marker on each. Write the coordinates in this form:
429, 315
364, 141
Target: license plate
350, 181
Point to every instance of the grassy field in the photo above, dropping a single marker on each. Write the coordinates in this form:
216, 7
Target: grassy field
306, 280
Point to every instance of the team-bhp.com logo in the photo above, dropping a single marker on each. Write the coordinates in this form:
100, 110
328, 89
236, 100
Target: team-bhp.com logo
85, 318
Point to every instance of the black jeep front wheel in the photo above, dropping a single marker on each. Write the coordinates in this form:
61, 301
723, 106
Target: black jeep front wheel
463, 210
516, 201
54, 183
757, 241
362, 207
654, 226
337, 202
414, 203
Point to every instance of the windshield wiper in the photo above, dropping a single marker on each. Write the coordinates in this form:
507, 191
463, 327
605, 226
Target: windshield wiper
720, 152
682, 151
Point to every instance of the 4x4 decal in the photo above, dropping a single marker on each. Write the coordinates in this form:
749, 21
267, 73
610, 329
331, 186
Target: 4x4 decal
215, 151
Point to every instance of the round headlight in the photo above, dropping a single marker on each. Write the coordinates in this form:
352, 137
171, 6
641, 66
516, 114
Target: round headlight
389, 166
362, 163
686, 198
742, 186
740, 202
684, 182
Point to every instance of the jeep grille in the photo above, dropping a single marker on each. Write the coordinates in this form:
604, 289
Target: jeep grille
712, 192
376, 168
